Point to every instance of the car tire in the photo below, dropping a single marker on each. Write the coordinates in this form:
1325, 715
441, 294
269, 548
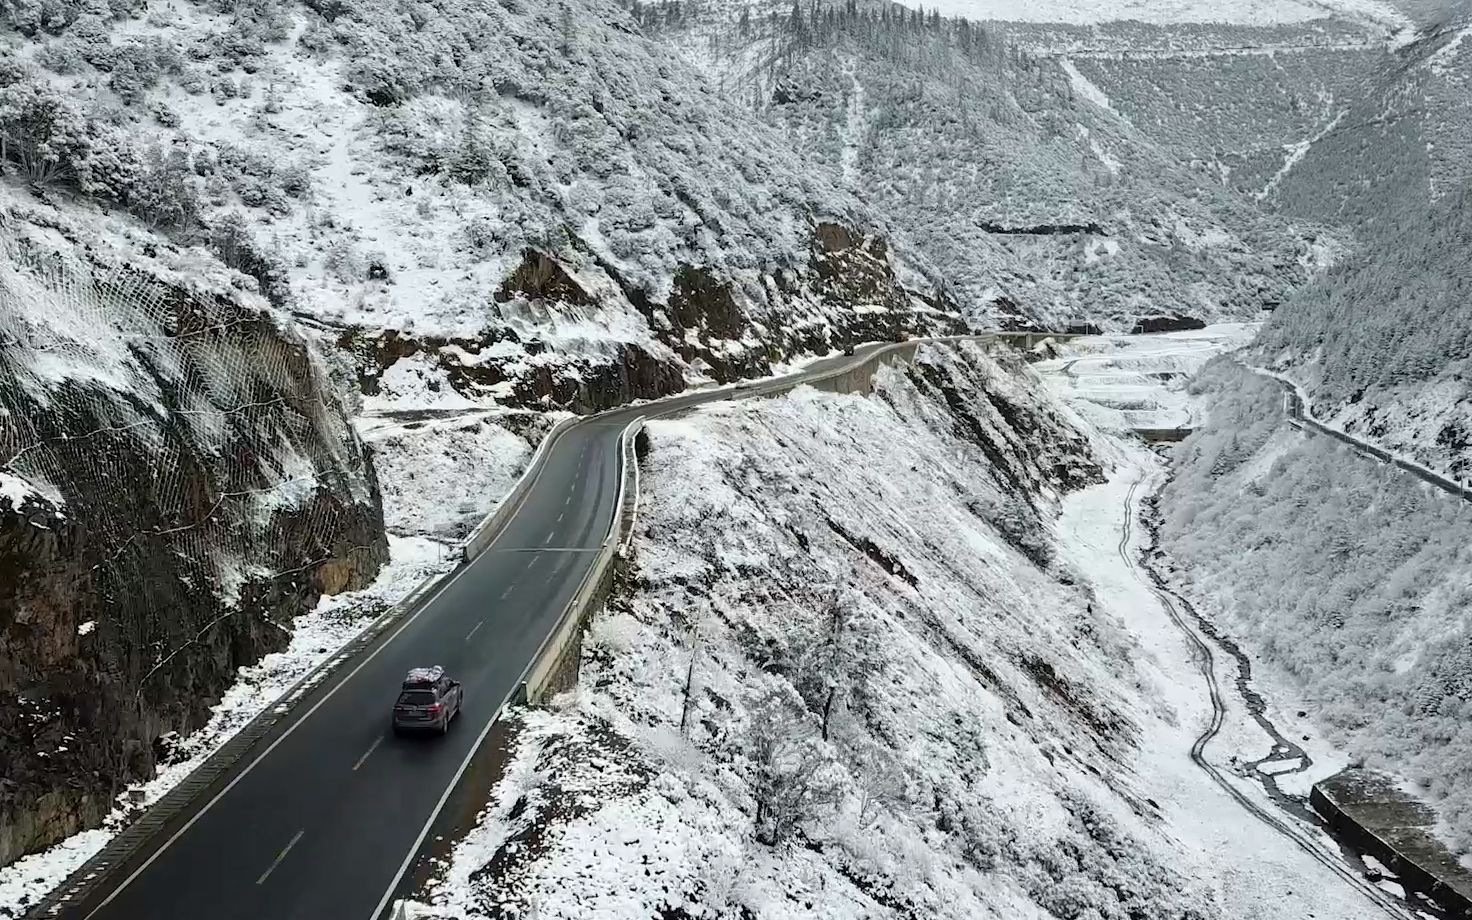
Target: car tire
445, 725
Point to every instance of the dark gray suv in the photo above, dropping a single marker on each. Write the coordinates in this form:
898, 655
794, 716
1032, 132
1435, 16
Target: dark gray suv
427, 701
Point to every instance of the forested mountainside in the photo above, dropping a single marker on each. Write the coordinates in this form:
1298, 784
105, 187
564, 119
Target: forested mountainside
1383, 343
178, 481
1012, 172
512, 202
1328, 128
1347, 581
1373, 141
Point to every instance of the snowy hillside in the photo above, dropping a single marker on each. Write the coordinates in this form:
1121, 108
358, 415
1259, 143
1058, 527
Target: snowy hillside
1014, 173
510, 203
1335, 128
1383, 343
1348, 580
1250, 12
863, 668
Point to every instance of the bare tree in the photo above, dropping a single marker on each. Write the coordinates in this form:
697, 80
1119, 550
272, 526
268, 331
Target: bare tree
792, 781
880, 778
840, 654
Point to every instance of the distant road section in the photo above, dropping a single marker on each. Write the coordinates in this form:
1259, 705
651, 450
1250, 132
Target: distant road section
1296, 407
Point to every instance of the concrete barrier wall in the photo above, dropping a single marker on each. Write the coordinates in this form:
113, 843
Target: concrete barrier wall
1369, 812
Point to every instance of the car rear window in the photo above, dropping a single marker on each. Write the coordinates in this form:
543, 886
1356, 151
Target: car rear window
416, 698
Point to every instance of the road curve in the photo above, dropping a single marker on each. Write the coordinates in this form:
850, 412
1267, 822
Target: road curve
322, 817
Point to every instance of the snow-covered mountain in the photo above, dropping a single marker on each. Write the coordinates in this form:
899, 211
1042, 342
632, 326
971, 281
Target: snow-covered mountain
516, 207
499, 201
1014, 173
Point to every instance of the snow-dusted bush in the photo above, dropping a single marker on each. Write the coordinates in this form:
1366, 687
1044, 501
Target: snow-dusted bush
232, 240
166, 191
47, 139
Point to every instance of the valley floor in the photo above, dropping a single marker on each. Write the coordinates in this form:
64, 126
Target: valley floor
1262, 861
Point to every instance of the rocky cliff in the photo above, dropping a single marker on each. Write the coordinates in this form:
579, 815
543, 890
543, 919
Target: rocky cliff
177, 482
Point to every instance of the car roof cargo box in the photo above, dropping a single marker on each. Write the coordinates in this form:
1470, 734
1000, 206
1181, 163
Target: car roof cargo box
423, 677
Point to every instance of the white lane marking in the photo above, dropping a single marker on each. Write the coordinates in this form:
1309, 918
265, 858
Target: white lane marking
507, 593
560, 516
550, 534
284, 735
568, 500
371, 748
476, 629
280, 856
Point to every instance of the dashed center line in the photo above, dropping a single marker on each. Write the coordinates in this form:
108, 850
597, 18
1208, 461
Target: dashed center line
476, 628
507, 593
560, 516
371, 748
548, 539
287, 849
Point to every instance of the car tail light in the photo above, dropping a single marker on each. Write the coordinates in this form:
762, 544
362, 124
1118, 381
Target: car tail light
434, 709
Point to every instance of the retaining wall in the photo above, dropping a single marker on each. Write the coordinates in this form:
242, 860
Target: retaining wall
1370, 811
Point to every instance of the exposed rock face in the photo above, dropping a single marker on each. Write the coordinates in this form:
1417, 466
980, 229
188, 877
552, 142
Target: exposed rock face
179, 481
539, 277
708, 326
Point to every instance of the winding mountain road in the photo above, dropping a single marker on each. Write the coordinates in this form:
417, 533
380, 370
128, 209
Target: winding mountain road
323, 816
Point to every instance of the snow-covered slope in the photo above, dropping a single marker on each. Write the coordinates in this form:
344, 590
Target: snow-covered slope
1334, 127
861, 667
521, 203
1347, 579
1250, 12
1012, 172
1383, 343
